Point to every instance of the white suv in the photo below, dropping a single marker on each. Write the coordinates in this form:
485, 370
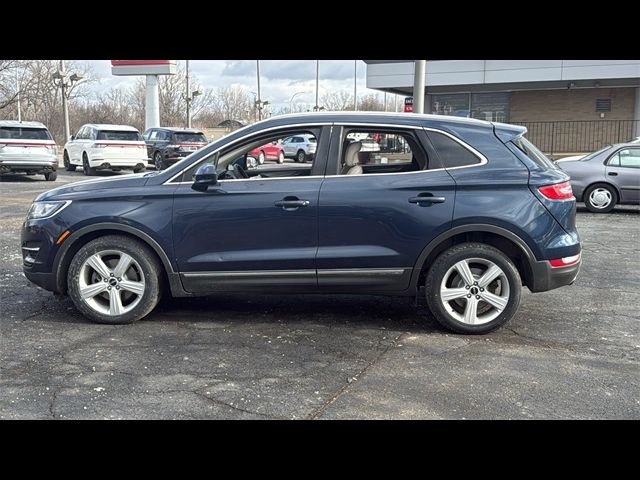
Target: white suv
105, 147
300, 147
27, 147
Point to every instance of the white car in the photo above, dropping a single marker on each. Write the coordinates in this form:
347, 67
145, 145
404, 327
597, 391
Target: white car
105, 147
572, 158
300, 147
27, 147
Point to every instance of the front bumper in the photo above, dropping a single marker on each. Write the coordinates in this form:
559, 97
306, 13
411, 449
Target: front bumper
546, 277
44, 280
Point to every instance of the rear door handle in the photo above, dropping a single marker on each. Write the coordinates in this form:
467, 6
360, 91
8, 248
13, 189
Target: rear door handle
291, 203
613, 174
426, 199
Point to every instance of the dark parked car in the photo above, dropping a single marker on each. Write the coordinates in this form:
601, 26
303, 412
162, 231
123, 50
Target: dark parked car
607, 177
165, 146
466, 214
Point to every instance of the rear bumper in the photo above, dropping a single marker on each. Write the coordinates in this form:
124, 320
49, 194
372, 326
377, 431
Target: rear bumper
546, 277
22, 166
118, 163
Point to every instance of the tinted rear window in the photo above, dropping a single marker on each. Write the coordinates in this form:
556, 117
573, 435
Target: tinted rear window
119, 135
531, 151
22, 133
189, 137
451, 153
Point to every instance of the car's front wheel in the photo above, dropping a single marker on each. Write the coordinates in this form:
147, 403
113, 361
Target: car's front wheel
473, 288
281, 157
600, 198
114, 279
261, 157
301, 156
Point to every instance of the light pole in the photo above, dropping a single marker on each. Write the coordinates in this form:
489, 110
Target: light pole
65, 83
188, 99
317, 107
18, 93
291, 101
355, 85
418, 85
259, 100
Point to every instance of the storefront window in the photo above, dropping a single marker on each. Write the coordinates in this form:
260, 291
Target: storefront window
493, 107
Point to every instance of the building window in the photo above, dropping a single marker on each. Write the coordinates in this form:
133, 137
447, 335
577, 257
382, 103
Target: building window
493, 107
456, 104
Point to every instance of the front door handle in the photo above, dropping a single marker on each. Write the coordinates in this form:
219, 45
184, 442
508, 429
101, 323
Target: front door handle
426, 199
291, 203
613, 174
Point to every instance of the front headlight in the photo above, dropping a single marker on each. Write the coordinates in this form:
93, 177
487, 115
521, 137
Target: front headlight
40, 210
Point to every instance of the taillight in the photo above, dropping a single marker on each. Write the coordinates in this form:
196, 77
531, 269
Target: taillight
99, 145
558, 191
53, 148
565, 261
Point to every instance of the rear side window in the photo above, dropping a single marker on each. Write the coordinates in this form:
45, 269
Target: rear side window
451, 153
119, 135
21, 133
185, 137
629, 157
533, 152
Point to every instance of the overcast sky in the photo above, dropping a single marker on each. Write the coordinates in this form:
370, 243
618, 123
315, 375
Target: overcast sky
279, 79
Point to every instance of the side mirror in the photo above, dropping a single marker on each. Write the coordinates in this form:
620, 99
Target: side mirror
205, 177
73, 137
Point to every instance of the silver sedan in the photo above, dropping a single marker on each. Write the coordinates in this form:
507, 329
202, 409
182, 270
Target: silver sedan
607, 177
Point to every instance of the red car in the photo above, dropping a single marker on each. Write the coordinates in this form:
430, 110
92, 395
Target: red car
269, 151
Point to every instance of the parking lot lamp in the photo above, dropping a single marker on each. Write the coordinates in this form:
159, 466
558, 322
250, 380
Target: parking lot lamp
291, 101
60, 79
418, 85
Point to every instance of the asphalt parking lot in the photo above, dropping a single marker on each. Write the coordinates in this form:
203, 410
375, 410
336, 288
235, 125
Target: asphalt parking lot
569, 353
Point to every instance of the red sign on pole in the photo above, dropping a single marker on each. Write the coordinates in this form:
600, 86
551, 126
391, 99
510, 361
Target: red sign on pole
408, 104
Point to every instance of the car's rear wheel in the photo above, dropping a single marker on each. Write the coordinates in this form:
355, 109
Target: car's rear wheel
300, 156
281, 157
157, 159
67, 163
473, 288
600, 198
261, 157
114, 279
86, 168
51, 176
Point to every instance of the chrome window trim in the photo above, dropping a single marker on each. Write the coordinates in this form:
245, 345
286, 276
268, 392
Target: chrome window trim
481, 157
239, 139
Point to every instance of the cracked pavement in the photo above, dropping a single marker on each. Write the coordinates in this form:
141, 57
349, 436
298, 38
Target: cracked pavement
569, 353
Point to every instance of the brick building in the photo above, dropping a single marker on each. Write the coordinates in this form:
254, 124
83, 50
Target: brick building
568, 106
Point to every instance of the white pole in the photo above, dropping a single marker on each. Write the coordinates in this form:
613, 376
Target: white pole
418, 85
65, 107
259, 99
188, 99
152, 100
317, 108
18, 91
355, 85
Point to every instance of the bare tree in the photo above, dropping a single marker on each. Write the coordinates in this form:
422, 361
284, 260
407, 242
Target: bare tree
370, 102
337, 101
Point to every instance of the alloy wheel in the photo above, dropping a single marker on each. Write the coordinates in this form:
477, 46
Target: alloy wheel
474, 291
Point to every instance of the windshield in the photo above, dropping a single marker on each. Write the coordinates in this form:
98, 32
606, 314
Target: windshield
533, 152
25, 133
187, 137
596, 153
120, 135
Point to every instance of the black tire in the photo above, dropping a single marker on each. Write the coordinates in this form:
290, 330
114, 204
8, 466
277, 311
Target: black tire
593, 208
281, 157
67, 163
261, 157
138, 170
85, 166
142, 254
451, 257
157, 159
51, 176
301, 156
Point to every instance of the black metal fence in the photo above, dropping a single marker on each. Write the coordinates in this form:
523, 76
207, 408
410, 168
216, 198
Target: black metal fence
580, 136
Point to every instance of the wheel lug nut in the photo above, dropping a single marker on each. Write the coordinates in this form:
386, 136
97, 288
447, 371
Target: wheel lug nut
482, 289
108, 288
119, 279
475, 283
467, 287
118, 288
469, 296
478, 297
111, 274
106, 279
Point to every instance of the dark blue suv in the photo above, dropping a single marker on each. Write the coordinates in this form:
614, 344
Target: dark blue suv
462, 211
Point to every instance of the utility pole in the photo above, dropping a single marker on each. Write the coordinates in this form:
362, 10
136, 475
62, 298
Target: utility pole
395, 102
355, 85
418, 85
385, 101
188, 99
259, 101
18, 92
65, 108
317, 107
